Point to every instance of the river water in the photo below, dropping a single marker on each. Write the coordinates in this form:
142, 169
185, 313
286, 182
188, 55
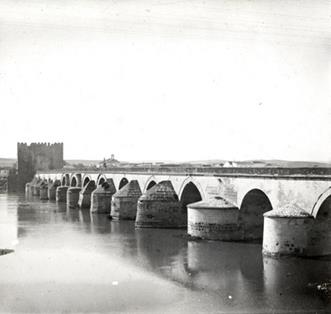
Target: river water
67, 260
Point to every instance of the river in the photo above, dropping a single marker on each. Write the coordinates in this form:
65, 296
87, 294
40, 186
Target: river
69, 261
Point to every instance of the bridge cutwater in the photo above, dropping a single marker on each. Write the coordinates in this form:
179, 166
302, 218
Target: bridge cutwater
289, 208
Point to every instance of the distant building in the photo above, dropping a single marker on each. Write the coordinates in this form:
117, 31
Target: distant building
8, 179
229, 164
4, 173
111, 162
37, 156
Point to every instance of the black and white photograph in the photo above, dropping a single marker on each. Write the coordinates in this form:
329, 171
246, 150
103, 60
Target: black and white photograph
165, 156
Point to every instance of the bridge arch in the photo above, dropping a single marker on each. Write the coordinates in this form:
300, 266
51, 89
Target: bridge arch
321, 199
124, 181
86, 179
190, 193
65, 180
191, 185
101, 179
321, 231
254, 204
150, 183
76, 180
73, 181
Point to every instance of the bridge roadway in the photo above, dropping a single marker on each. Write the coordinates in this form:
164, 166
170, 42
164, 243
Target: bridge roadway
251, 191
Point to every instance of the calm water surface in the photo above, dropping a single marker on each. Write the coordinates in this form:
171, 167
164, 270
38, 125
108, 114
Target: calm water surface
71, 261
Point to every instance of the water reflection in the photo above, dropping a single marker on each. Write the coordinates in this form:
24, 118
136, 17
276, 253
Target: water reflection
232, 271
100, 223
8, 222
294, 280
73, 243
210, 261
162, 251
86, 216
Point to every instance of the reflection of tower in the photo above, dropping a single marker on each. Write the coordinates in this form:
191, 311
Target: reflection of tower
215, 266
9, 225
37, 156
100, 224
233, 270
160, 250
285, 280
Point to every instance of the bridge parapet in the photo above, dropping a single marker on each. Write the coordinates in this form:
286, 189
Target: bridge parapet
268, 172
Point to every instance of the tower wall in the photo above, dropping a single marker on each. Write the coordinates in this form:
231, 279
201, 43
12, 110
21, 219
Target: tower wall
37, 156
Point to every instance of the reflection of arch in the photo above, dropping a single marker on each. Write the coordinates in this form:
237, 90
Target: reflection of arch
253, 205
320, 201
123, 182
190, 194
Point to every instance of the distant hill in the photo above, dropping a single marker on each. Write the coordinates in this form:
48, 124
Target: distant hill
7, 162
261, 163
82, 161
288, 164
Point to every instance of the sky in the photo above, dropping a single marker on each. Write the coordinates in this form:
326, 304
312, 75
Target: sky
167, 80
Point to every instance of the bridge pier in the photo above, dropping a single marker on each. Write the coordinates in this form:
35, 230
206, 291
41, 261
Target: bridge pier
43, 190
101, 197
36, 188
286, 232
73, 196
159, 207
52, 189
28, 188
85, 195
61, 193
124, 202
214, 219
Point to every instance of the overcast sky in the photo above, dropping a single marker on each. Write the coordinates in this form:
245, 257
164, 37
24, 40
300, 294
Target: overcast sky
167, 80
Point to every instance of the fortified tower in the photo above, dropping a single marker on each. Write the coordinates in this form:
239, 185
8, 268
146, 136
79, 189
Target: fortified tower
37, 156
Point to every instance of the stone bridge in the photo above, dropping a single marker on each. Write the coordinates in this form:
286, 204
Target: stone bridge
231, 203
